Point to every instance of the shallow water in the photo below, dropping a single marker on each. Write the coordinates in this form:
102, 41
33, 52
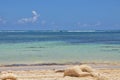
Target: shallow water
59, 47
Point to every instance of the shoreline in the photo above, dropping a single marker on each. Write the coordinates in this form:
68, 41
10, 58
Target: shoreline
68, 63
55, 66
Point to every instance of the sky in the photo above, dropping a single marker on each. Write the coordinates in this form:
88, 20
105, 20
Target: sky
59, 14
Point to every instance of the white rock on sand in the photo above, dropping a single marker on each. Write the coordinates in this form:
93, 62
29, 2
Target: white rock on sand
8, 76
84, 71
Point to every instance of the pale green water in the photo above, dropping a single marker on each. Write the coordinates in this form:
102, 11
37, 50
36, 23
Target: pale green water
57, 52
30, 47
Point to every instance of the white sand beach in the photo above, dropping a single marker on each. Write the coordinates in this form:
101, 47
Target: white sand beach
56, 72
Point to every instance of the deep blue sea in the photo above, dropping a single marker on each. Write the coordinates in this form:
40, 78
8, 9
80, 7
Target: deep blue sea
33, 47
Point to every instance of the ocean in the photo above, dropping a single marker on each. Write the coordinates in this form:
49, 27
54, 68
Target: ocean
37, 47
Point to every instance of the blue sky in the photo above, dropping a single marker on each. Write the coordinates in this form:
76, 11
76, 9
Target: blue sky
59, 14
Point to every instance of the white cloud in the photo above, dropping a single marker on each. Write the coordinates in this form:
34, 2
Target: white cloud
2, 21
117, 25
89, 25
32, 19
43, 22
52, 23
34, 13
98, 24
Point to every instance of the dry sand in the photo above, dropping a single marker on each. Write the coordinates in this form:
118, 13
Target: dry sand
55, 73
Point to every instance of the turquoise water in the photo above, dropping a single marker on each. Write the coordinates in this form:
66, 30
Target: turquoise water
18, 48
58, 52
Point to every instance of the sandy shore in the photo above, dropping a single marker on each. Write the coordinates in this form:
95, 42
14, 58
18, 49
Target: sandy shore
55, 72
